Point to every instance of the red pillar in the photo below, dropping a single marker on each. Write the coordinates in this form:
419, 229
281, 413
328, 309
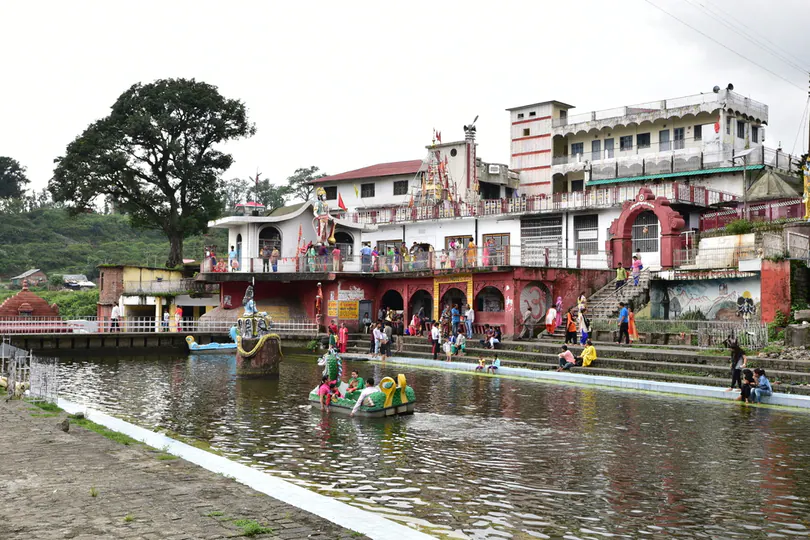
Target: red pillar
774, 289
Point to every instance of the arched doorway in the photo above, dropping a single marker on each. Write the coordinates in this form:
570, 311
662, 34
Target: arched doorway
345, 242
270, 237
453, 296
490, 300
421, 299
645, 238
392, 299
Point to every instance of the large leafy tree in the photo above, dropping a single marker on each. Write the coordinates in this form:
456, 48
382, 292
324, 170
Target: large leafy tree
156, 156
299, 186
12, 178
269, 194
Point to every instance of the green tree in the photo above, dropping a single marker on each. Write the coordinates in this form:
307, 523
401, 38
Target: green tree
234, 191
270, 195
299, 186
12, 178
155, 154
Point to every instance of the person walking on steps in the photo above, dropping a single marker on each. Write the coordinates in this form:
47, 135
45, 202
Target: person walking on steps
624, 324
621, 276
528, 323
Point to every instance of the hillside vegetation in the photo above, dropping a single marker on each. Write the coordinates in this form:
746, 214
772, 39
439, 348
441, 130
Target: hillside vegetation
54, 241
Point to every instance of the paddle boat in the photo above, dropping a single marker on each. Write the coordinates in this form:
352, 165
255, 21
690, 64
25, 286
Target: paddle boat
394, 398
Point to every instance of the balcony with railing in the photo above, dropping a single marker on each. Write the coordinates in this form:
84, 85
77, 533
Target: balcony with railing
594, 198
664, 108
164, 287
670, 157
784, 211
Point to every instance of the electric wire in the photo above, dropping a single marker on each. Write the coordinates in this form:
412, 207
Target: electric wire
707, 36
802, 126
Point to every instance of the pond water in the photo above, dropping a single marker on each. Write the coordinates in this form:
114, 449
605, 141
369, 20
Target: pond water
486, 457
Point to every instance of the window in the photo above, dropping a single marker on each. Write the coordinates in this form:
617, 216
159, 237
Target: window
645, 233
596, 150
577, 185
586, 234
755, 134
331, 193
453, 152
626, 142
577, 148
462, 241
643, 140
698, 133
401, 187
679, 142
740, 130
500, 253
663, 140
533, 113
526, 132
366, 190
520, 115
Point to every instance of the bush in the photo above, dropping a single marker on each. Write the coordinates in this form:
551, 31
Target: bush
739, 226
693, 315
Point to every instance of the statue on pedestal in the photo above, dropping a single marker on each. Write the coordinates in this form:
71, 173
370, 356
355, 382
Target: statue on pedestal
320, 222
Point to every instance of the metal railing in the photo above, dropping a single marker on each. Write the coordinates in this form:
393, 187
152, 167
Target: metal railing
140, 325
749, 334
788, 210
593, 198
715, 258
450, 260
755, 108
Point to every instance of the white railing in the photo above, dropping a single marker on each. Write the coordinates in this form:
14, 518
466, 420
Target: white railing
142, 325
748, 334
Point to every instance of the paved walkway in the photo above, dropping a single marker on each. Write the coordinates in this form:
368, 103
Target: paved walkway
48, 476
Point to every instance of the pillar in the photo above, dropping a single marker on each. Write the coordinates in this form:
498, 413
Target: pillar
158, 312
264, 363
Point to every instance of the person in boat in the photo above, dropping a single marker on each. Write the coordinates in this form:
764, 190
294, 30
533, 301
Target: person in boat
356, 385
364, 396
493, 367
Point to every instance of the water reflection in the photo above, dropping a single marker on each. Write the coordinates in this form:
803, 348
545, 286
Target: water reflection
485, 457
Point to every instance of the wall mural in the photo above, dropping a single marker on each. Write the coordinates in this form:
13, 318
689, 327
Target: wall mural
717, 299
536, 295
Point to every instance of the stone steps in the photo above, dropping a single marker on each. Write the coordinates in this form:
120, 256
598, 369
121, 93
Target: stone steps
670, 372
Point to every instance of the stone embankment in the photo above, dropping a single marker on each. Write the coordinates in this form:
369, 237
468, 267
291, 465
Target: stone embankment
80, 484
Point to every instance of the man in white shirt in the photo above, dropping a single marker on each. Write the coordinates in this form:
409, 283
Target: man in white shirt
114, 316
469, 319
367, 391
378, 336
435, 335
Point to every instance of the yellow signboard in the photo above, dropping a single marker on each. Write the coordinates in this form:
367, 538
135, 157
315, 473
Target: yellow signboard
349, 310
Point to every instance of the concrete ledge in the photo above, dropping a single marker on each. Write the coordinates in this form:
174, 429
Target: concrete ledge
695, 390
371, 524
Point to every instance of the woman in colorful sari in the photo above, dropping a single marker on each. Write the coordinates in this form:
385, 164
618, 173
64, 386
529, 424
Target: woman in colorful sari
631, 327
471, 254
415, 325
343, 337
486, 252
559, 307
551, 320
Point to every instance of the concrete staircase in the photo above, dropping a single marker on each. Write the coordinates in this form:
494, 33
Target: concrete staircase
604, 303
681, 364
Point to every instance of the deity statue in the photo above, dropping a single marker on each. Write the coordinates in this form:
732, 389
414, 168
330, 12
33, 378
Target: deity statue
248, 302
319, 305
321, 220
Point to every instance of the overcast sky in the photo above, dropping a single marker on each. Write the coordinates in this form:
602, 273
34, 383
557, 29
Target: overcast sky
342, 85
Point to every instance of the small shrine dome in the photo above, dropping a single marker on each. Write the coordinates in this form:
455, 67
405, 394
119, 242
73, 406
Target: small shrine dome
26, 304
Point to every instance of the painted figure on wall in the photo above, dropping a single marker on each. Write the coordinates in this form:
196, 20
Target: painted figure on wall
746, 306
319, 305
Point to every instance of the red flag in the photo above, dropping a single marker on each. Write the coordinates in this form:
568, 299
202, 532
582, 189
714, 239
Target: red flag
439, 136
341, 204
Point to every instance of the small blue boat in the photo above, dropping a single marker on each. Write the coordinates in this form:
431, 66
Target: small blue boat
214, 347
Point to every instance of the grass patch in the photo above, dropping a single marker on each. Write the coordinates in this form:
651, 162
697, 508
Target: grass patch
101, 430
251, 527
93, 492
129, 518
45, 415
46, 406
166, 457
356, 534
215, 513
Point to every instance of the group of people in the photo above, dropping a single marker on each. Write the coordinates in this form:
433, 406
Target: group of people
357, 389
492, 367
753, 384
319, 258
388, 330
338, 337
400, 258
635, 272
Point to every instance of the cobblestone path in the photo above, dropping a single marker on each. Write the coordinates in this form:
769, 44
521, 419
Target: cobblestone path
47, 478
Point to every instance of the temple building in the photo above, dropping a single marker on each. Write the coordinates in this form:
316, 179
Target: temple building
582, 194
26, 304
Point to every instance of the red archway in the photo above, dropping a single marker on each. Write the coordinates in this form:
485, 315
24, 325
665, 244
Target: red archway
672, 223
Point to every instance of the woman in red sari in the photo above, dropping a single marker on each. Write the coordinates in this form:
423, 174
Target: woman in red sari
343, 337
